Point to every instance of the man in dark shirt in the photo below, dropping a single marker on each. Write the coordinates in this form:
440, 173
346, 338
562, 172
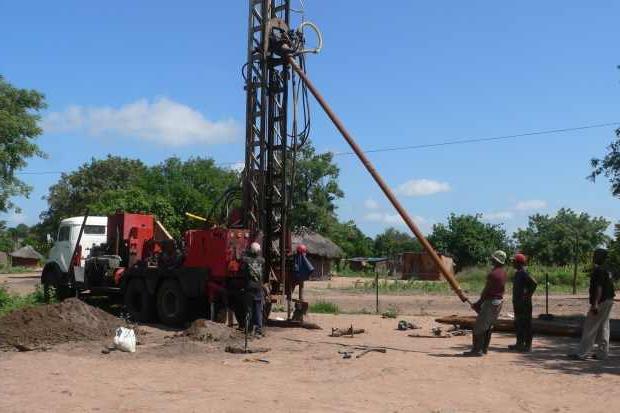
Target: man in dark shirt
523, 287
488, 306
596, 325
253, 265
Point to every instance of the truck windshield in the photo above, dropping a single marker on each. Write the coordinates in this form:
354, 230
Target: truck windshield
94, 229
63, 233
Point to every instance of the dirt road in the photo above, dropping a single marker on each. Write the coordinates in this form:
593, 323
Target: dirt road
23, 283
310, 375
305, 372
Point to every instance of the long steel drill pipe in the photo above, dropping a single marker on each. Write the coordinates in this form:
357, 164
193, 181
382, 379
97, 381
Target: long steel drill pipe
384, 187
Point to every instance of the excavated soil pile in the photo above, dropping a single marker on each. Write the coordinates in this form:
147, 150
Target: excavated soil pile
71, 320
209, 331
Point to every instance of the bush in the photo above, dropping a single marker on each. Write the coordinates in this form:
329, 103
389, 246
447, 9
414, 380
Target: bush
10, 302
324, 307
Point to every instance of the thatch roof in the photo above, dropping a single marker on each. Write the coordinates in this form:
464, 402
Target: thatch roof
316, 244
27, 252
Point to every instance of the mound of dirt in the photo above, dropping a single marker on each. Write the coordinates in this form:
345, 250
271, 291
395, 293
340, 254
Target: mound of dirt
209, 331
71, 320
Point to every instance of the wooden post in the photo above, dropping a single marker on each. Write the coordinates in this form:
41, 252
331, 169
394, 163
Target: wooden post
575, 263
377, 290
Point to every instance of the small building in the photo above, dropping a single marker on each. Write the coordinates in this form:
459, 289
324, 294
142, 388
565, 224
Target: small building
322, 252
420, 265
374, 264
26, 256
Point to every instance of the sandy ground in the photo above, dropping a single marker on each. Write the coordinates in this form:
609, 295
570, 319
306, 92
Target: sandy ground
306, 373
23, 283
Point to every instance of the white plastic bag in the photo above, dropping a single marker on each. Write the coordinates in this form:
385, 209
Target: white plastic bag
125, 339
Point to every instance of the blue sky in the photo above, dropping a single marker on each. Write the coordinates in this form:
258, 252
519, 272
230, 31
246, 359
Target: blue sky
146, 80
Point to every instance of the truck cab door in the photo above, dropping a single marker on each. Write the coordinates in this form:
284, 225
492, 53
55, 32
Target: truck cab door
62, 250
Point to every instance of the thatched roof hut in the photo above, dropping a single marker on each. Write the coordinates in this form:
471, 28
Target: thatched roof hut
321, 251
26, 256
317, 244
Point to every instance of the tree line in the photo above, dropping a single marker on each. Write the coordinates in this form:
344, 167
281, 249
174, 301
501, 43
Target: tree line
175, 186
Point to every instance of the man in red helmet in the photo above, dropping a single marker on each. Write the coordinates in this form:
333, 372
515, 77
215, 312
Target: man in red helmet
523, 287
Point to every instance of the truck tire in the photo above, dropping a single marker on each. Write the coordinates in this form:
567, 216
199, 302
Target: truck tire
172, 304
49, 278
138, 302
55, 285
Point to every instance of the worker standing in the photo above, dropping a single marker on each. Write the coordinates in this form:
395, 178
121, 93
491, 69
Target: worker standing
253, 265
596, 325
523, 287
489, 305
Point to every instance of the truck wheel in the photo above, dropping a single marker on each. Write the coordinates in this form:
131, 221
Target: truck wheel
55, 286
171, 303
138, 302
49, 280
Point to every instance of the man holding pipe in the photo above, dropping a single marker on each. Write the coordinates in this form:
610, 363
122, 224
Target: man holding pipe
489, 305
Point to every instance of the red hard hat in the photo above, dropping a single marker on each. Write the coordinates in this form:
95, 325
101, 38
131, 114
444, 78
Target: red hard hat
301, 249
520, 259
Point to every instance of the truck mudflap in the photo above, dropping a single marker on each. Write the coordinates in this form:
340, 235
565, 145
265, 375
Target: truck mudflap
193, 281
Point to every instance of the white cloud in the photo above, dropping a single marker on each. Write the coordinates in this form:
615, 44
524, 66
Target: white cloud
371, 204
498, 216
161, 121
391, 219
237, 166
530, 205
422, 187
384, 218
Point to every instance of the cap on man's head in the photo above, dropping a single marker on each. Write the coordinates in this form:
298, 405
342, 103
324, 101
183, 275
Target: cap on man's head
520, 259
499, 257
255, 248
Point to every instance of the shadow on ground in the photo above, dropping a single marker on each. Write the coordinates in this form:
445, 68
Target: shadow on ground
550, 353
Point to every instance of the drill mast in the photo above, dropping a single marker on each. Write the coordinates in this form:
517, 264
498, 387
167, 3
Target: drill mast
266, 184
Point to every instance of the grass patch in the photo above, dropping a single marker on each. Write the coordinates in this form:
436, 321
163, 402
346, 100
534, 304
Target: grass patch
347, 272
472, 281
390, 312
10, 302
16, 270
323, 307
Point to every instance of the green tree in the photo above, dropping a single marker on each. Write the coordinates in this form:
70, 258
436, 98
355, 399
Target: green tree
609, 165
315, 190
392, 242
350, 238
19, 127
192, 186
79, 189
6, 241
137, 200
554, 240
167, 190
468, 240
614, 252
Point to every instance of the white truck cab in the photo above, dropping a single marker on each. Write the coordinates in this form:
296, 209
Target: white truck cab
68, 232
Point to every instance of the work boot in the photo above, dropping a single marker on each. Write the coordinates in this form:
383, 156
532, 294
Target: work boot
476, 349
487, 341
